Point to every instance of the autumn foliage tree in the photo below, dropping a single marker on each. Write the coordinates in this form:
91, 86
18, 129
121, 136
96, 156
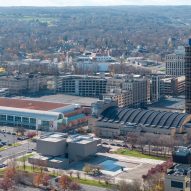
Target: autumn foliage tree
8, 179
37, 180
154, 179
64, 182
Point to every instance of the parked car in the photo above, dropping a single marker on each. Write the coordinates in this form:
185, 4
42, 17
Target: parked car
4, 142
22, 138
2, 165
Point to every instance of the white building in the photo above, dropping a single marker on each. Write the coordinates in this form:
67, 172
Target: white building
175, 65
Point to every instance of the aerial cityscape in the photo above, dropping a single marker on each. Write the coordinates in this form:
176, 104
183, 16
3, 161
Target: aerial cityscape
95, 95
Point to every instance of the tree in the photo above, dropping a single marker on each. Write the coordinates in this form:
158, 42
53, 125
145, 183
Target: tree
71, 172
87, 169
37, 180
133, 186
31, 134
132, 139
64, 182
10, 173
78, 174
74, 186
6, 184
45, 179
9, 177
20, 130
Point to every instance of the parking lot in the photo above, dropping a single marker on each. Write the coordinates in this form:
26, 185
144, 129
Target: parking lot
8, 138
62, 98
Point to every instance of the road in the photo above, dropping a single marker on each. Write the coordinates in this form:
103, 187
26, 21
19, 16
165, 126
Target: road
92, 188
84, 188
16, 151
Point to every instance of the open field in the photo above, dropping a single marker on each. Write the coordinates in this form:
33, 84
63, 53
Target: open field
135, 153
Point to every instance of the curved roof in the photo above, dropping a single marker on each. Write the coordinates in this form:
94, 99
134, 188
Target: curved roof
145, 117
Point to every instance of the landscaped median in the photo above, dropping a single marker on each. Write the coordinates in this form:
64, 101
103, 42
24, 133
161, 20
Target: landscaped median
134, 153
93, 183
25, 157
9, 146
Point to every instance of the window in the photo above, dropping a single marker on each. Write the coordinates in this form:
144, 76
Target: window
25, 120
32, 120
10, 118
45, 123
17, 119
3, 117
176, 184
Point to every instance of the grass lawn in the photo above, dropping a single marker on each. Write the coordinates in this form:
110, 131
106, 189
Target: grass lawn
2, 172
29, 169
81, 181
93, 183
135, 153
25, 158
3, 148
15, 144
7, 147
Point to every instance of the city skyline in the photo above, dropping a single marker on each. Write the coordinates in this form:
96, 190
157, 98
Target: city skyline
90, 2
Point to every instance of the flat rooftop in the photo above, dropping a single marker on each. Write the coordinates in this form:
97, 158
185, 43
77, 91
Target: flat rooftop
170, 104
30, 104
63, 98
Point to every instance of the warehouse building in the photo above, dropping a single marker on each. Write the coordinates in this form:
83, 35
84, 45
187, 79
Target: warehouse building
45, 116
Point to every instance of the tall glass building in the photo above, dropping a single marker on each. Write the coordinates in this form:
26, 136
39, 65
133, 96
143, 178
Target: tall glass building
188, 77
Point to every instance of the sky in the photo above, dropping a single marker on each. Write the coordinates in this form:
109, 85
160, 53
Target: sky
91, 2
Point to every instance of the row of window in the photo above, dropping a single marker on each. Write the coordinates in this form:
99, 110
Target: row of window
17, 119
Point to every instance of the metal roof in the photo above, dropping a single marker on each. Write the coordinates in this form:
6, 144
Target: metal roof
42, 115
144, 117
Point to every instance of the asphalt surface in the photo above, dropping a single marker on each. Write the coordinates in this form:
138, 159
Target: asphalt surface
16, 151
63, 98
84, 188
92, 188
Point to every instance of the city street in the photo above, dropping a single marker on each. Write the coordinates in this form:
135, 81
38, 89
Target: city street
16, 151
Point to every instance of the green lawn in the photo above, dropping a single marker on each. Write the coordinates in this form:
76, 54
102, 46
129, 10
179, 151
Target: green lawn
81, 181
25, 158
3, 148
135, 153
93, 183
15, 144
29, 169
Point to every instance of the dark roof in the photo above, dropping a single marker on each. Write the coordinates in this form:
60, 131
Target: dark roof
152, 118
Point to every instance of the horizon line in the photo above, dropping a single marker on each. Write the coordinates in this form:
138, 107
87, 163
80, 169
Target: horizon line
58, 6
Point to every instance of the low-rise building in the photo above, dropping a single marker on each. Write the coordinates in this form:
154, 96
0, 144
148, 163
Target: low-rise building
162, 85
115, 122
124, 98
45, 116
177, 177
172, 86
19, 84
59, 150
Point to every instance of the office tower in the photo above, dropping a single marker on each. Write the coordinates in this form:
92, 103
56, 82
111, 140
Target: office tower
188, 77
